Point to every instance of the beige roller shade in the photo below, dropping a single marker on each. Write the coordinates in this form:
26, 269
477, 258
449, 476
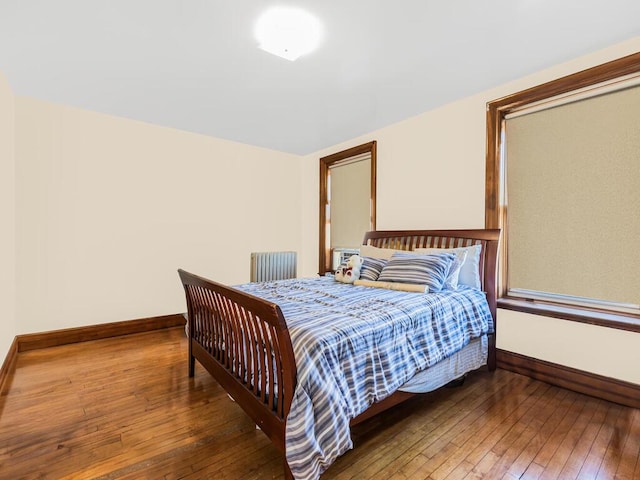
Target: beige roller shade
350, 200
573, 198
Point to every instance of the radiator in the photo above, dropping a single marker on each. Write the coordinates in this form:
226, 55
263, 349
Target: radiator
267, 266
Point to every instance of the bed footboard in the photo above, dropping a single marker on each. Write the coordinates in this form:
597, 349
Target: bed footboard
243, 342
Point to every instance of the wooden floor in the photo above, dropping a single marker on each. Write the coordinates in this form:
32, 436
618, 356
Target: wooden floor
125, 408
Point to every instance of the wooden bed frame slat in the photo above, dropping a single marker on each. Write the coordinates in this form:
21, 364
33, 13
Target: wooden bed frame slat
243, 341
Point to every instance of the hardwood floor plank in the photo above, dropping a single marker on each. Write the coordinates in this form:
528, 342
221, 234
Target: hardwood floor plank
417, 468
456, 419
568, 436
557, 426
613, 453
482, 468
539, 415
485, 424
461, 471
622, 449
477, 438
518, 439
480, 411
124, 408
631, 450
504, 422
533, 472
444, 405
592, 463
597, 414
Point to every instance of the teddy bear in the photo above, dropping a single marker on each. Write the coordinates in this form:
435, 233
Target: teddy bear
349, 272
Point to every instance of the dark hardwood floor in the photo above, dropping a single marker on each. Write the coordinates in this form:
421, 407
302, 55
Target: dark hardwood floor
124, 408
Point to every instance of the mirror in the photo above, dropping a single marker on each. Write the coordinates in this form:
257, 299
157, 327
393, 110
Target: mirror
347, 203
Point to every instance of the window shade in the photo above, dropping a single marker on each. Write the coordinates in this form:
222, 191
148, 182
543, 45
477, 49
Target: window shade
350, 200
573, 198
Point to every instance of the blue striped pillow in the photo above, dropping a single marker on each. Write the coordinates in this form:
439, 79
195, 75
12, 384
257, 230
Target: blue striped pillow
371, 268
430, 270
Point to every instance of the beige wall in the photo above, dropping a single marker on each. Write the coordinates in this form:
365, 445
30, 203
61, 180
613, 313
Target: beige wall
108, 209
415, 159
605, 351
7, 219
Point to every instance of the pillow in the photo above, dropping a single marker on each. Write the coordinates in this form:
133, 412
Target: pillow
371, 268
470, 270
403, 287
430, 270
377, 252
451, 283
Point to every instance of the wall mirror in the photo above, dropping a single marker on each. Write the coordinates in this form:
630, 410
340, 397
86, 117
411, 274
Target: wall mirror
347, 203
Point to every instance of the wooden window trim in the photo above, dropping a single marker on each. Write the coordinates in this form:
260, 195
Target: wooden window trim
495, 214
324, 259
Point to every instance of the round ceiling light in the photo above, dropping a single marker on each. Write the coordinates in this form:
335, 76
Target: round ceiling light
288, 32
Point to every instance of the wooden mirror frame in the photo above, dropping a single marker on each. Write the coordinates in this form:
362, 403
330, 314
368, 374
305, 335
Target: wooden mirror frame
325, 164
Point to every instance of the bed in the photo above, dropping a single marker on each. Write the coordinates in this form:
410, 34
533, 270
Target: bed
284, 361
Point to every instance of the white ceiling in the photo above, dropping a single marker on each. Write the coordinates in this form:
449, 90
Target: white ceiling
195, 65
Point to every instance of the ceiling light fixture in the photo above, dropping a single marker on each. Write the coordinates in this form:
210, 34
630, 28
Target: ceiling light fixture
288, 32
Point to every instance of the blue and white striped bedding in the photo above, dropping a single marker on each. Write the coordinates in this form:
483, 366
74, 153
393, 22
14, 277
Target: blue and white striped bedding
356, 345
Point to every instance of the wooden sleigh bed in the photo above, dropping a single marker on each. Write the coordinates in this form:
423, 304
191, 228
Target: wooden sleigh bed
243, 341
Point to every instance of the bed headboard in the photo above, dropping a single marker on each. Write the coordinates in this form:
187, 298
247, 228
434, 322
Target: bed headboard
412, 239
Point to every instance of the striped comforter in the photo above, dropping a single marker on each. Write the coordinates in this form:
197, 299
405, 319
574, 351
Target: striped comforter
356, 345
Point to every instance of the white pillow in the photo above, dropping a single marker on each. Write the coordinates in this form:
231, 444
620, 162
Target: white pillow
453, 279
377, 252
470, 270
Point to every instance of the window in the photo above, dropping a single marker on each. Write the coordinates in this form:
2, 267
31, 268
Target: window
347, 202
563, 182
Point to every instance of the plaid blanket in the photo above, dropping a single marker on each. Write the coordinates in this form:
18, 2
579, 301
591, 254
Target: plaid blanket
356, 345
